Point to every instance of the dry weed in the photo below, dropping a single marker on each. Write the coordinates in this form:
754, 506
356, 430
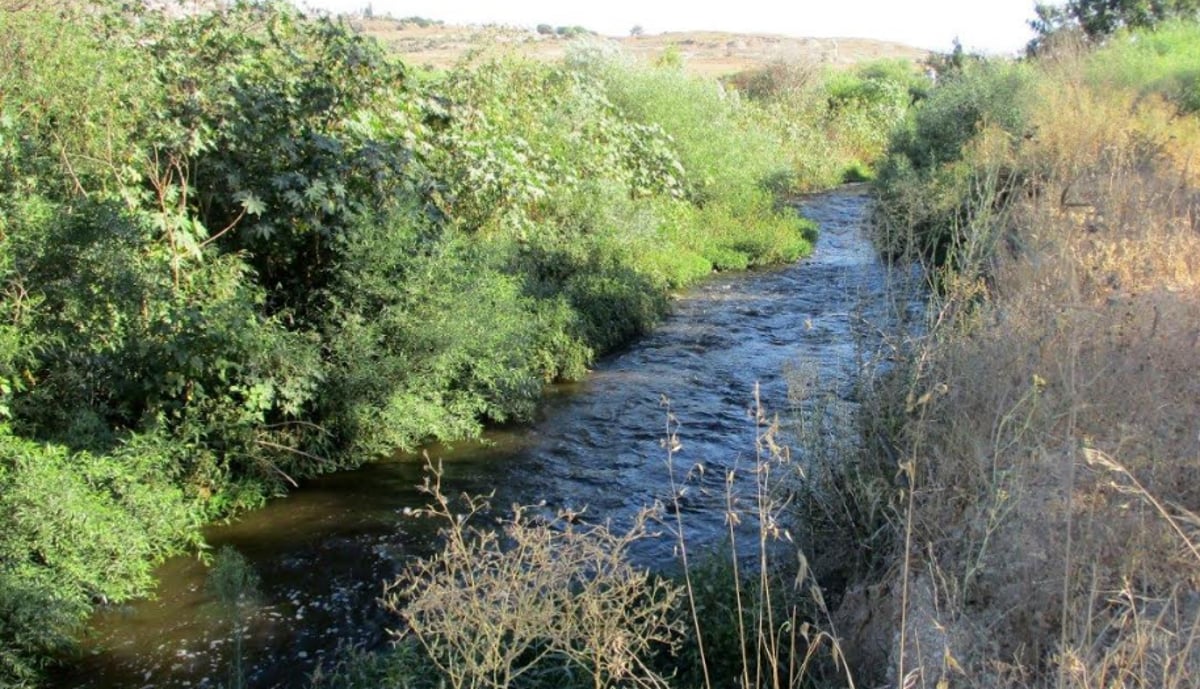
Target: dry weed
1050, 427
495, 606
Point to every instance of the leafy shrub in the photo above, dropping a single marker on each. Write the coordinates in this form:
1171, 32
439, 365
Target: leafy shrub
287, 129
834, 124
429, 344
927, 184
129, 350
725, 152
80, 527
70, 101
521, 131
991, 93
239, 247
865, 105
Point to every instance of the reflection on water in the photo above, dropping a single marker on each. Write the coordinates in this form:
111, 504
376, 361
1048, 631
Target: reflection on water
323, 552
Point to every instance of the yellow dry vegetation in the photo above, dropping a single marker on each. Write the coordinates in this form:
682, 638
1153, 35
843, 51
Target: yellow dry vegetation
1049, 419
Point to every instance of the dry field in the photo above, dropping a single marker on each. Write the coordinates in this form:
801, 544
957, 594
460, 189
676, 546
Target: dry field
710, 53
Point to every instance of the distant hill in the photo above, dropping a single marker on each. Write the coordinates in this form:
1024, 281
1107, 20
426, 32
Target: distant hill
427, 43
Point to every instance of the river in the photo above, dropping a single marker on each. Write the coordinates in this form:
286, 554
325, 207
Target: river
323, 552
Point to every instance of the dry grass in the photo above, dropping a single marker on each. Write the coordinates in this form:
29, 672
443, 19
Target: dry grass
540, 602
1050, 427
534, 597
779, 633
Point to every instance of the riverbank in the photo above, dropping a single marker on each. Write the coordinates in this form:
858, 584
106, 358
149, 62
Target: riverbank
596, 448
1042, 531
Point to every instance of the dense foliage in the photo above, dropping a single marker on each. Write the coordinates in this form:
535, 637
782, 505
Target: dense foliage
834, 124
241, 247
928, 187
957, 158
1100, 18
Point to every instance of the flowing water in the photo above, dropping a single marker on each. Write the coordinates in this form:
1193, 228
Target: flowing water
323, 552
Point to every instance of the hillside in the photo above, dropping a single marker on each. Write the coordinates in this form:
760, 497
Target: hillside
704, 52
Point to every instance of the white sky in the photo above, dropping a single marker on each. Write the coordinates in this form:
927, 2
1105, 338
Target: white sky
993, 26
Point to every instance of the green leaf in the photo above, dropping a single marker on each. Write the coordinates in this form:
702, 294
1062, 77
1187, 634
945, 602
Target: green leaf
250, 202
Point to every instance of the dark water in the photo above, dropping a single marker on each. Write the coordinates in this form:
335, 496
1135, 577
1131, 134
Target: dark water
323, 552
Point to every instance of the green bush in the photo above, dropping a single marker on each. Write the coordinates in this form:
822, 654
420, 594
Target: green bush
834, 124
297, 128
70, 99
866, 104
1164, 61
925, 185
988, 93
80, 528
726, 153
126, 349
431, 344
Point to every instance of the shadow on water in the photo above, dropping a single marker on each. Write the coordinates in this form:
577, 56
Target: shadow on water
323, 553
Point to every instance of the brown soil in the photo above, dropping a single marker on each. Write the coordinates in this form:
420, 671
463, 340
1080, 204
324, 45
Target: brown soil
711, 53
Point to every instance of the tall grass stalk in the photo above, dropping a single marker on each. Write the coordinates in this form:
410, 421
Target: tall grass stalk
536, 603
555, 602
779, 625
672, 445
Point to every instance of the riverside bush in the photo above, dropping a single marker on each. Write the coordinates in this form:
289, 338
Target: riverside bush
726, 153
79, 528
928, 185
834, 124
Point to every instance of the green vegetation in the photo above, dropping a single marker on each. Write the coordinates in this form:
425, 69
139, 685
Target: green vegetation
564, 31
1022, 510
242, 247
927, 187
834, 124
234, 584
1160, 63
1100, 18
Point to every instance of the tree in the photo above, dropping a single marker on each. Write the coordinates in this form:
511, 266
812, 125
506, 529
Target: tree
1100, 18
